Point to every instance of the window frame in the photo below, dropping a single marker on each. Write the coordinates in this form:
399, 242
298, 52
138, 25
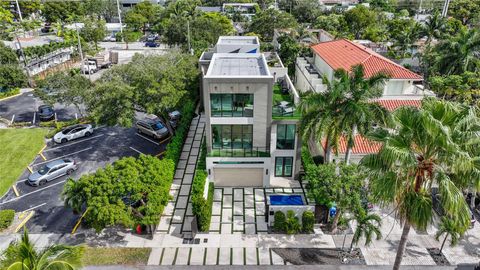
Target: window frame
233, 99
283, 162
244, 136
285, 141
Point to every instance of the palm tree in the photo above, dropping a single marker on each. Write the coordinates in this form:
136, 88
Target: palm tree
433, 27
321, 117
22, 255
419, 149
459, 54
449, 227
359, 112
368, 224
72, 195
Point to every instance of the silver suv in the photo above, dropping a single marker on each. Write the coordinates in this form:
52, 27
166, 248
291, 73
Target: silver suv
52, 170
152, 127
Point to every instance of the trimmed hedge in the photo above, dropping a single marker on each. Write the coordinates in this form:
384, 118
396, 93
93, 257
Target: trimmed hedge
202, 208
308, 220
279, 221
6, 218
174, 147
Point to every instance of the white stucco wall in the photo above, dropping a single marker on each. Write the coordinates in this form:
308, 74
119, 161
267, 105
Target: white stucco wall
265, 166
323, 67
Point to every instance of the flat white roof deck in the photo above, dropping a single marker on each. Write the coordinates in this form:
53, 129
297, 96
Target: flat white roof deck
238, 65
238, 40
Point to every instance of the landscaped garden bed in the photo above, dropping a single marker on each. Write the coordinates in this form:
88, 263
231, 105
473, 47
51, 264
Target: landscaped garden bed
320, 256
437, 256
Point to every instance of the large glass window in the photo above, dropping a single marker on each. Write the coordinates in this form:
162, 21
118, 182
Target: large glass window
283, 166
231, 105
286, 136
232, 136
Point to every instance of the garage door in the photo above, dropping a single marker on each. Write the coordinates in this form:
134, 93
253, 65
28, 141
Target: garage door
238, 177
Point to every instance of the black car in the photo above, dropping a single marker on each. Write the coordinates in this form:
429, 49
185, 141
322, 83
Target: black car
151, 44
45, 113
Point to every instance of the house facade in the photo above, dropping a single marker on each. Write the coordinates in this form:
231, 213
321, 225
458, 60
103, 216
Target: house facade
251, 139
404, 88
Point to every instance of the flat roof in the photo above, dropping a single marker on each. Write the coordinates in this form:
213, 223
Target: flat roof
240, 40
238, 65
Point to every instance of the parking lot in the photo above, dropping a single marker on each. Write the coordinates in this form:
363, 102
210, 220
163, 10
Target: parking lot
106, 145
23, 108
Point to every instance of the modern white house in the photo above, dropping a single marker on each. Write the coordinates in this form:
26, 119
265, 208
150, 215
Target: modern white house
404, 88
251, 127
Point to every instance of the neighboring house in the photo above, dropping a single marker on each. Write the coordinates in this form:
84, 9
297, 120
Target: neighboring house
404, 88
132, 3
247, 10
251, 128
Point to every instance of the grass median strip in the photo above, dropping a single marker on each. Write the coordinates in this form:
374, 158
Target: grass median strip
115, 256
19, 148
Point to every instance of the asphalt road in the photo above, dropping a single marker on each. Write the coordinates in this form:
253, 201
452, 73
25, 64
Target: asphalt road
23, 107
106, 145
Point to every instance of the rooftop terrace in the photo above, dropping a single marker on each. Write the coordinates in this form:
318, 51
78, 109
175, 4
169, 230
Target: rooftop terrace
239, 65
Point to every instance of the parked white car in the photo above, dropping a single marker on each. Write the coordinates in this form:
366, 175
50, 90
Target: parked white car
73, 132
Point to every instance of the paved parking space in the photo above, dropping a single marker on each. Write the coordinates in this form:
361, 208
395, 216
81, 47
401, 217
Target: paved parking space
106, 145
23, 107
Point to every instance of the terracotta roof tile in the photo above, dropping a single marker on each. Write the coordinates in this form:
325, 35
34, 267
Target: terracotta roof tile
343, 53
393, 104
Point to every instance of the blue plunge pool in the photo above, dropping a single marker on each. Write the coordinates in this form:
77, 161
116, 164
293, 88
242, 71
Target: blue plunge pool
286, 200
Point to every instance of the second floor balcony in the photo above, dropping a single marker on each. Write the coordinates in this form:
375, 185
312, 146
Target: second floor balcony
284, 104
242, 152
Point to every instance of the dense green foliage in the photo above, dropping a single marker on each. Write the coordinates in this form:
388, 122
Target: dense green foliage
6, 218
175, 146
201, 207
149, 84
292, 224
435, 145
308, 220
462, 88
11, 75
269, 19
22, 254
131, 191
367, 225
39, 51
94, 30
279, 220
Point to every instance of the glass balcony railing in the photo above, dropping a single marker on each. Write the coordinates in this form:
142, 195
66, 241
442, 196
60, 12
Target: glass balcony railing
246, 152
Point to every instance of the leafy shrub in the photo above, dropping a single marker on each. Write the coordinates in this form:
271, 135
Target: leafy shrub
308, 219
306, 156
174, 148
292, 224
21, 124
202, 162
201, 207
11, 92
279, 221
6, 218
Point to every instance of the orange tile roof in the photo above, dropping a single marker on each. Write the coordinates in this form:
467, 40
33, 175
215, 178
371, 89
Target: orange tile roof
343, 53
393, 104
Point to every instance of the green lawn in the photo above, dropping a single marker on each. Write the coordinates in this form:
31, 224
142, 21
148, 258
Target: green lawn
115, 256
18, 149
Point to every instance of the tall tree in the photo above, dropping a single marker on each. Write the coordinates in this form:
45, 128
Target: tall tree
65, 88
152, 84
434, 27
422, 148
459, 54
265, 21
23, 255
359, 19
94, 30
341, 185
465, 10
11, 74
359, 113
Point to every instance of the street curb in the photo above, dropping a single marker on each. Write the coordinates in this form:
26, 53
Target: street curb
9, 97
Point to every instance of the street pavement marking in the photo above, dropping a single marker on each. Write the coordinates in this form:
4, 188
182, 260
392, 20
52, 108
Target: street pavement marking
161, 153
136, 150
35, 207
14, 187
148, 139
24, 221
30, 169
43, 157
13, 117
79, 151
2, 99
27, 194
75, 142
